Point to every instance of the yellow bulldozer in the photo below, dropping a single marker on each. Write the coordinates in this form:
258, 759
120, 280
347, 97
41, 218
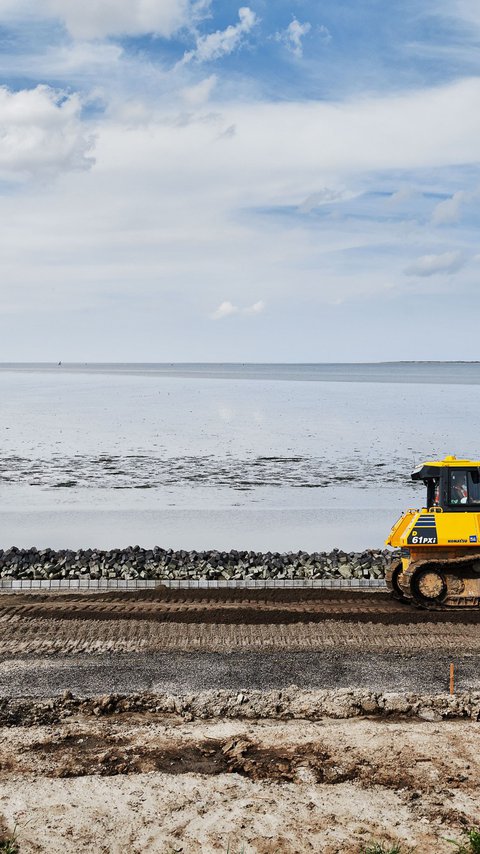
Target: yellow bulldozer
439, 563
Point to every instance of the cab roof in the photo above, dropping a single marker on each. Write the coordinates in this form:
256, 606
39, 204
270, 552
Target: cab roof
431, 467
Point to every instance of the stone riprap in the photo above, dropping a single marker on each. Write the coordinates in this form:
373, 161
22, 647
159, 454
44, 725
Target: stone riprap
157, 563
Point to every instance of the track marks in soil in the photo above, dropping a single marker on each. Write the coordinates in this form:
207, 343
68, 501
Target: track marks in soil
21, 637
224, 621
228, 607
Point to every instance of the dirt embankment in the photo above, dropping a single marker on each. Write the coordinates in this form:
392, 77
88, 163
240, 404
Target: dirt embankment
291, 703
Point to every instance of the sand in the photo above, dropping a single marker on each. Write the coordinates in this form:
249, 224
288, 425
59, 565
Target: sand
143, 782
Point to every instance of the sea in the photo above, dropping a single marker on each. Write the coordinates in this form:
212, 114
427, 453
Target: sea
268, 457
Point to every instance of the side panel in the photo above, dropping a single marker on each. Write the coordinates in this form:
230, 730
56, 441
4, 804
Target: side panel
426, 529
423, 532
458, 530
396, 537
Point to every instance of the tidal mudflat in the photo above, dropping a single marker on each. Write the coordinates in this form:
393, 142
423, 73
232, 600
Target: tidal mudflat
255, 457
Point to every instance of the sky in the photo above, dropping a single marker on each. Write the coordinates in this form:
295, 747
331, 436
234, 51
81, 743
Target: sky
197, 180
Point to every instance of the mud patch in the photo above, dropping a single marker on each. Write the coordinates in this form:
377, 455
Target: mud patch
260, 763
82, 754
195, 759
107, 756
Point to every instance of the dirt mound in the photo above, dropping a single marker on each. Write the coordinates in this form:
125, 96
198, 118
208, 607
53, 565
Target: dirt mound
280, 705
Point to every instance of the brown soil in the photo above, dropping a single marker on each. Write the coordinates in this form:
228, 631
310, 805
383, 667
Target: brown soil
27, 636
226, 621
225, 606
82, 754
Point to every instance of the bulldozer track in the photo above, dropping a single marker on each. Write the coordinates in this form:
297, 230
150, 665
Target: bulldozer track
230, 607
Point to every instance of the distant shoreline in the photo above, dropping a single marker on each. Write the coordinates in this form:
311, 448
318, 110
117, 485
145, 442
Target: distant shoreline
143, 365
427, 372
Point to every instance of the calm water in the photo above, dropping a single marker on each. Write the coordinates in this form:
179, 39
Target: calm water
277, 457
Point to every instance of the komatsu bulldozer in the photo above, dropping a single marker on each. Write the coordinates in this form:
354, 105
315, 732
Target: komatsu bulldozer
439, 563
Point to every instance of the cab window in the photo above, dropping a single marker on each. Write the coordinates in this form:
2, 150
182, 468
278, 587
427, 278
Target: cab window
464, 487
473, 487
433, 491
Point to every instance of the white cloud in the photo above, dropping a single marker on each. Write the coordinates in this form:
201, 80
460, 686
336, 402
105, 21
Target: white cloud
169, 212
403, 132
292, 36
228, 132
42, 132
90, 63
103, 69
256, 308
200, 92
14, 8
465, 17
223, 42
405, 194
466, 10
449, 210
431, 265
94, 19
87, 57
324, 33
225, 309
91, 19
322, 197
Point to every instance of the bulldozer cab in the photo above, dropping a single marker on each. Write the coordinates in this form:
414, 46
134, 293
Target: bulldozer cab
451, 486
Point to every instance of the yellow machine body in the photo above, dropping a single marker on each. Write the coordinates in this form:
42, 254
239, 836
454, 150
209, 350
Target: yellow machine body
439, 564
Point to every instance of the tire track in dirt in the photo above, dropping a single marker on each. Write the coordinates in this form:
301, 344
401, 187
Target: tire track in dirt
234, 607
20, 637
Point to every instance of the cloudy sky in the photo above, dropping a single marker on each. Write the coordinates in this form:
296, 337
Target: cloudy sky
194, 180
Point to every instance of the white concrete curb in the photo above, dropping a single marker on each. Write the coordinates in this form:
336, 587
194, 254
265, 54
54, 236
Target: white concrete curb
7, 584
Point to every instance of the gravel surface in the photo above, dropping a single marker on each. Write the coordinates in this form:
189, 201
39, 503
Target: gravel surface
180, 672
